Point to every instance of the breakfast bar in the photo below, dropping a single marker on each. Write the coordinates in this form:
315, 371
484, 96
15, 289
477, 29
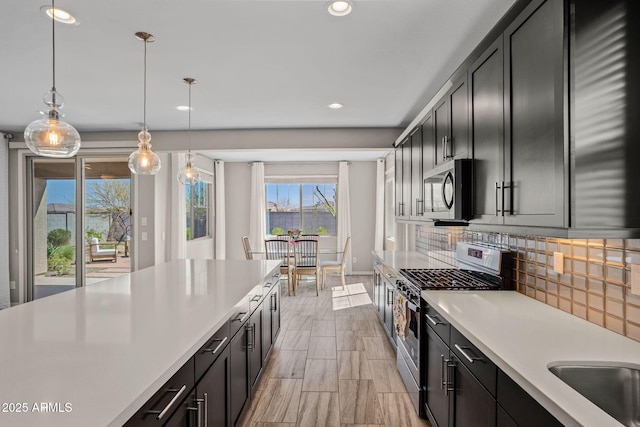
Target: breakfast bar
95, 355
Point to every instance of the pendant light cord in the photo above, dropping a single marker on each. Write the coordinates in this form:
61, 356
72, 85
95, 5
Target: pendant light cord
189, 133
53, 38
144, 106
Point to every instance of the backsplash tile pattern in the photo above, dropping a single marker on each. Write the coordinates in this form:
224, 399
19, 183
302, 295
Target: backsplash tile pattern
594, 284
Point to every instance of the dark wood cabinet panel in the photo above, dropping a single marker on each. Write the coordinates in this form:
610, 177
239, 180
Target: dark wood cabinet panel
487, 133
406, 178
474, 405
441, 129
534, 116
436, 396
213, 393
398, 182
520, 406
254, 345
239, 373
416, 174
503, 419
458, 144
428, 145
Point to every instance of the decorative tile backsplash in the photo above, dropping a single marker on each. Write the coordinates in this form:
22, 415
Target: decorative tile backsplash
594, 285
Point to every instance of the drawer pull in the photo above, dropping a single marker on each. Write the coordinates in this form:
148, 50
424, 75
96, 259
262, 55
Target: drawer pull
433, 321
215, 350
466, 356
268, 285
241, 317
171, 402
256, 298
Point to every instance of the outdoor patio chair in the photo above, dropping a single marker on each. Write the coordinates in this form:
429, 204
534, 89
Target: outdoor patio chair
96, 253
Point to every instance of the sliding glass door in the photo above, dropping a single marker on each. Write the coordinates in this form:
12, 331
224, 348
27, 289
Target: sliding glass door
79, 228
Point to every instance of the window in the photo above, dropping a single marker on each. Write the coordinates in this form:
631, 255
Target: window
198, 210
309, 207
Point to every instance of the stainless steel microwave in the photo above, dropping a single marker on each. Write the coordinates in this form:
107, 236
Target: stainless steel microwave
448, 191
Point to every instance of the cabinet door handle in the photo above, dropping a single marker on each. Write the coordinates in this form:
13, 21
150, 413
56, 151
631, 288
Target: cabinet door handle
433, 321
241, 317
389, 300
199, 414
163, 412
442, 378
206, 409
462, 351
251, 342
510, 188
274, 302
497, 188
451, 376
215, 350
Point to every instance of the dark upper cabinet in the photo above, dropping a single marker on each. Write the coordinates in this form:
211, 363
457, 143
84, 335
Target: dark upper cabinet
458, 144
428, 145
417, 201
451, 124
534, 98
440, 130
406, 178
605, 86
399, 208
487, 133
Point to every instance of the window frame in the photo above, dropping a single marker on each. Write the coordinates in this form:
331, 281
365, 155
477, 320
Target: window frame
190, 209
301, 181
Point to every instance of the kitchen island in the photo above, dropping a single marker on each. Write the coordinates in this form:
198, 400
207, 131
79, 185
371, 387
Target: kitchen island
94, 355
524, 337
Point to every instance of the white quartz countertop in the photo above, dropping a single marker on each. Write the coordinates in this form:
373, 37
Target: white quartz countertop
98, 353
407, 259
523, 337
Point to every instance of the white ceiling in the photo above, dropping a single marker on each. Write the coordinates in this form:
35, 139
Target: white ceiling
259, 64
298, 155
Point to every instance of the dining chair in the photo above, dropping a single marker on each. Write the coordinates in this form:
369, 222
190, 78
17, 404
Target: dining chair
305, 255
246, 245
310, 236
335, 268
280, 249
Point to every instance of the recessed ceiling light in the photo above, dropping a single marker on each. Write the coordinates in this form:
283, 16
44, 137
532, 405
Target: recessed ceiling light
335, 105
339, 8
61, 15
183, 108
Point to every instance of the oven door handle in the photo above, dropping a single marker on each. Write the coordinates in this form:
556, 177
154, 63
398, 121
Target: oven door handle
411, 306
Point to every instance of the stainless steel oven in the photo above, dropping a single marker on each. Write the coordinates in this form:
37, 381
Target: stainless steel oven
448, 191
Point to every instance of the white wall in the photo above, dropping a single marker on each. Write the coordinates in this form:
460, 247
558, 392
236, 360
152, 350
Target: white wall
362, 189
4, 223
162, 211
237, 189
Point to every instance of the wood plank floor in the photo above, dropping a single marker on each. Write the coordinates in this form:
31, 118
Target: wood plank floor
332, 364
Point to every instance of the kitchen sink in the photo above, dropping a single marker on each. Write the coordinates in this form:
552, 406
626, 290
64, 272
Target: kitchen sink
613, 388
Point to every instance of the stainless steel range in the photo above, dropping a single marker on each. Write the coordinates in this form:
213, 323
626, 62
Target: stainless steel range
479, 268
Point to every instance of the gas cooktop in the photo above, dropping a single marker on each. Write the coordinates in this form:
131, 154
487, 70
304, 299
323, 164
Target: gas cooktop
480, 268
451, 279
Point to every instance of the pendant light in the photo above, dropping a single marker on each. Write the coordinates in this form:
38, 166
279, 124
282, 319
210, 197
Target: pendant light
50, 136
143, 161
188, 174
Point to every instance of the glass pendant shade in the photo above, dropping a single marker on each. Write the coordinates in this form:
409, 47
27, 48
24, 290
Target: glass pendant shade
51, 137
143, 161
188, 174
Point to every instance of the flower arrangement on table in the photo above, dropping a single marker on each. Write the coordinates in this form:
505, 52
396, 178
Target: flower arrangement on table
294, 235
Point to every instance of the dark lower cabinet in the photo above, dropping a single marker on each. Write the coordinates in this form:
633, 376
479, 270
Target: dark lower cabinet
239, 373
254, 345
520, 407
271, 321
213, 394
436, 395
463, 388
212, 388
185, 415
473, 404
